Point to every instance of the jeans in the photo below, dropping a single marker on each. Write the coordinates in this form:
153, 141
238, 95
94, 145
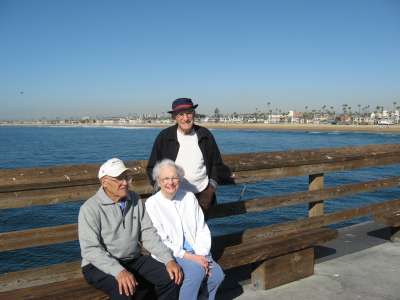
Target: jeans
148, 272
196, 284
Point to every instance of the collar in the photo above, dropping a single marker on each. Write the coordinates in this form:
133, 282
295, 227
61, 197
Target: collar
172, 132
105, 200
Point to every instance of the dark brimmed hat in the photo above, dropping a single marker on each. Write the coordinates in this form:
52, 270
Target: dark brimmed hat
182, 104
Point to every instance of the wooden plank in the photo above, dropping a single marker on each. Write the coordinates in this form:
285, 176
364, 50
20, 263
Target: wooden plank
260, 160
264, 203
68, 194
316, 182
390, 219
314, 222
262, 248
231, 256
65, 233
40, 276
283, 269
276, 173
51, 196
69, 289
352, 157
46, 196
59, 176
38, 237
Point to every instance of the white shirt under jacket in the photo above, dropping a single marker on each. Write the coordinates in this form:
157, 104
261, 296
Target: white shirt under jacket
173, 218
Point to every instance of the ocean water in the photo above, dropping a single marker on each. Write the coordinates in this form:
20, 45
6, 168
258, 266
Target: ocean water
22, 147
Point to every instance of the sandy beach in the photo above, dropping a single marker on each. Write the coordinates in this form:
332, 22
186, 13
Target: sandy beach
306, 127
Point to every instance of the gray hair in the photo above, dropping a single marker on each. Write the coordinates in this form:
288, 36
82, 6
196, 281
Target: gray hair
164, 163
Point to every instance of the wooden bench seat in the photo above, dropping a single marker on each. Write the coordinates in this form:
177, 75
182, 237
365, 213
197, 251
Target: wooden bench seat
286, 258
68, 289
391, 219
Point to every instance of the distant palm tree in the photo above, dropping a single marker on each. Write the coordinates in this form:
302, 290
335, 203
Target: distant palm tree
331, 113
344, 108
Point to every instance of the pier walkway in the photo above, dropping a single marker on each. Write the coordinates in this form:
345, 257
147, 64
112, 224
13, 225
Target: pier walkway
360, 264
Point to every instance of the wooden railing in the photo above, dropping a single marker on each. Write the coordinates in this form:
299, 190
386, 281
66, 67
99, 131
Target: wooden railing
53, 185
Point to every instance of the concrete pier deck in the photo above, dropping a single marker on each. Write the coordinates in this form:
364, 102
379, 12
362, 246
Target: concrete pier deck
361, 264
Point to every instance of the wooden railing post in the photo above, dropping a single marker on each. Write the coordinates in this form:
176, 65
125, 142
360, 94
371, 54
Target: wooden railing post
316, 182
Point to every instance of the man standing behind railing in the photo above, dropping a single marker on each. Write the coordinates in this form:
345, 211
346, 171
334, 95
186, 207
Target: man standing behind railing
193, 148
111, 226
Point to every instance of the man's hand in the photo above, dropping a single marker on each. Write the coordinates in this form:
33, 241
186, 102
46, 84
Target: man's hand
174, 271
126, 283
206, 197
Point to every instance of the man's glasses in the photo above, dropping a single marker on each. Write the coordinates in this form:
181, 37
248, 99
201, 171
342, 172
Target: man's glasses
121, 178
169, 179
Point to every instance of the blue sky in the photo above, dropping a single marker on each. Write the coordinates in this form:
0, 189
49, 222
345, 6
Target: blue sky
100, 58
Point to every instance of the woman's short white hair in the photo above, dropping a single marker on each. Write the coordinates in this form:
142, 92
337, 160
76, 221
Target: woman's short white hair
164, 163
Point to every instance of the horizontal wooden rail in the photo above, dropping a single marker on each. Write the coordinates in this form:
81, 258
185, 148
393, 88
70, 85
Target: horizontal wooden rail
320, 221
38, 237
249, 253
264, 203
46, 196
65, 233
67, 194
246, 167
58, 195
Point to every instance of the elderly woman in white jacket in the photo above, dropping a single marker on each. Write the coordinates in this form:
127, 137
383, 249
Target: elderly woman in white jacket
179, 221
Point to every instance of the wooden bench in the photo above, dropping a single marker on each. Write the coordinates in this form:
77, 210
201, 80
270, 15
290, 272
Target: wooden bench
284, 258
278, 253
391, 219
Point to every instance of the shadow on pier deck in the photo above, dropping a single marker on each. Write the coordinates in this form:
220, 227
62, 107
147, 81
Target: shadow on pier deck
365, 266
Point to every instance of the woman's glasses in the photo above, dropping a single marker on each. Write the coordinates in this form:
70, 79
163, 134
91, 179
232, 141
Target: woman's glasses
169, 179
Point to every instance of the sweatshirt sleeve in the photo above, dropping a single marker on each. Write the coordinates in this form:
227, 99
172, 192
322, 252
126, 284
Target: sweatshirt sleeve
216, 164
151, 240
92, 249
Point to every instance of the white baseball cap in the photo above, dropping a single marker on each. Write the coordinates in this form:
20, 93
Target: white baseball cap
112, 167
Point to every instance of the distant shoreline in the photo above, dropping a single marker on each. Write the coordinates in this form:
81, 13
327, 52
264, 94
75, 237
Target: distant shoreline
237, 126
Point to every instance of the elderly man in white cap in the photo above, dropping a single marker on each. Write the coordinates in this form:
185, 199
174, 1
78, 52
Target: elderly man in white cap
111, 226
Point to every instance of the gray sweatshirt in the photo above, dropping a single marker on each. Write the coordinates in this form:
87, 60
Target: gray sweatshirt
106, 235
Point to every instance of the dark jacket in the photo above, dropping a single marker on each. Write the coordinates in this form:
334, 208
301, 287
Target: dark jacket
166, 145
